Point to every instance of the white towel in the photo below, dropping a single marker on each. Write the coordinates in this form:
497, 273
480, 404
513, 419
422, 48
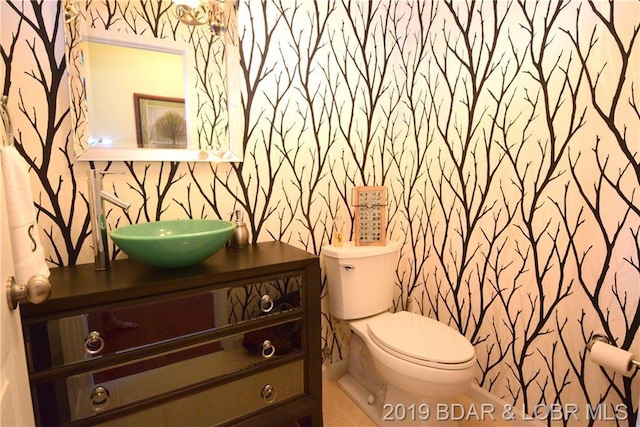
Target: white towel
28, 254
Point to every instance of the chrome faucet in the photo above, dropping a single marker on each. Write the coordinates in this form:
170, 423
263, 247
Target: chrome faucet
98, 222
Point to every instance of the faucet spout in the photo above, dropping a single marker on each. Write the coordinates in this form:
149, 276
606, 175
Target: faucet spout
105, 195
97, 196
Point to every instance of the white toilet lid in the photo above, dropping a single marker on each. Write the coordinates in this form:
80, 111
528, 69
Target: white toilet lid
420, 339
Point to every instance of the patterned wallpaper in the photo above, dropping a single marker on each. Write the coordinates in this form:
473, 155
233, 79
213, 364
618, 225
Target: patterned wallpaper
506, 134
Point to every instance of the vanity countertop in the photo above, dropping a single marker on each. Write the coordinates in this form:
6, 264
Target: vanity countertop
80, 286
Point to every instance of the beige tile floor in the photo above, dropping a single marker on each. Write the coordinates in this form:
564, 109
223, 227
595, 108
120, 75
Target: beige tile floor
340, 411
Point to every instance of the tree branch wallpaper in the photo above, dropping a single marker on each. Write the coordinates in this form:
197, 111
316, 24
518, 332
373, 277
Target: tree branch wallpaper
507, 134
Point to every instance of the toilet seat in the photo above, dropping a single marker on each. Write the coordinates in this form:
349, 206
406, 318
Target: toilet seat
421, 340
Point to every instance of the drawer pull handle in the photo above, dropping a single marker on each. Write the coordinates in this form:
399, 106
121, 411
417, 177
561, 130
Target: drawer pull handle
268, 349
94, 343
99, 396
268, 393
266, 305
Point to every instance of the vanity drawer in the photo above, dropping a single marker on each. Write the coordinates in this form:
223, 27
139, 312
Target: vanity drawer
224, 403
70, 340
83, 396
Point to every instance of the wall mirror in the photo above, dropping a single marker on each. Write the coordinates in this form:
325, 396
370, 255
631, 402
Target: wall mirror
146, 86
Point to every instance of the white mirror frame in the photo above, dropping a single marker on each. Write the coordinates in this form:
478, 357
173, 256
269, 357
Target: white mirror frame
234, 107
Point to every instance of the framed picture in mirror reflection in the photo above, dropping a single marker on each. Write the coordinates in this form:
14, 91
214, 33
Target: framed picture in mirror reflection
160, 121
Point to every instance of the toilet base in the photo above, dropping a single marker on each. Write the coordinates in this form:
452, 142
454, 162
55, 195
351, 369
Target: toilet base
384, 403
395, 407
361, 397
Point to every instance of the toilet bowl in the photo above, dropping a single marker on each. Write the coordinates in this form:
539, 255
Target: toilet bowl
395, 359
417, 354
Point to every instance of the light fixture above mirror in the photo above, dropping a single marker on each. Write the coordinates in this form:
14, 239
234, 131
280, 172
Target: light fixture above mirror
203, 12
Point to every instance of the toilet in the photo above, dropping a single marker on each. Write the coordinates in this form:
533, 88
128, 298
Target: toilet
402, 366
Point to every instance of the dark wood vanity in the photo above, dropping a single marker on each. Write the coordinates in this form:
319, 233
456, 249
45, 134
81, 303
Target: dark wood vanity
234, 340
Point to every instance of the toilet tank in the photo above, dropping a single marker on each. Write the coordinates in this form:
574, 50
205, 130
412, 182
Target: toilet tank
360, 278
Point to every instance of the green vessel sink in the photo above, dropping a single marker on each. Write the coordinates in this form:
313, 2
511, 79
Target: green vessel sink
173, 243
